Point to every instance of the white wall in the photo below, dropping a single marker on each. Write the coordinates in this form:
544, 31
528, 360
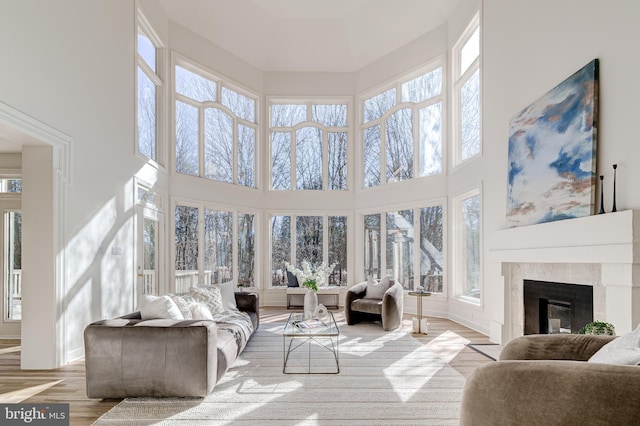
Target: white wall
530, 47
70, 64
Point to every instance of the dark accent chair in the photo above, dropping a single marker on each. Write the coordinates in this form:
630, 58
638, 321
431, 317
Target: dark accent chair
544, 379
388, 309
292, 280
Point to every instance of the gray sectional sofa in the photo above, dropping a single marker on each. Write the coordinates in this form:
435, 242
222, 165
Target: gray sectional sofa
131, 357
545, 379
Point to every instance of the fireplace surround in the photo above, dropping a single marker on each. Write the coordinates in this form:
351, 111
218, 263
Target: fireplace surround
600, 251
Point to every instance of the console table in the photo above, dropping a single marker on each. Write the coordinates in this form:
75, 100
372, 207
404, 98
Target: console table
332, 292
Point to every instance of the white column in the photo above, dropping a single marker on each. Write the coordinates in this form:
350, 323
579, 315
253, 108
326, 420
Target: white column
40, 316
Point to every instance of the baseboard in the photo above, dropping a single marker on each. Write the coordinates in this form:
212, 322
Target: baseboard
74, 355
10, 337
469, 324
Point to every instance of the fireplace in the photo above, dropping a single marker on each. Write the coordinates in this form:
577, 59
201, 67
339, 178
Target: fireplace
551, 307
599, 251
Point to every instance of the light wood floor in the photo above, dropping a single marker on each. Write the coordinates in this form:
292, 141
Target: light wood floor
67, 384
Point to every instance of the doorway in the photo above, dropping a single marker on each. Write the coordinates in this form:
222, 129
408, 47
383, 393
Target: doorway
11, 263
149, 244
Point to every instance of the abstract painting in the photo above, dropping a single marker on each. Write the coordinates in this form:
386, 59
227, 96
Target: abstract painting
552, 153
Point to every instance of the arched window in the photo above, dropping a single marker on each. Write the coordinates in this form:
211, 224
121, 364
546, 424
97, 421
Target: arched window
401, 129
216, 128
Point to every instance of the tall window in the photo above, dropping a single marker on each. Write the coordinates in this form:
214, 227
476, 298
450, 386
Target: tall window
467, 251
316, 239
413, 251
372, 241
400, 245
12, 185
466, 77
187, 247
402, 130
148, 83
224, 246
218, 246
309, 146
216, 128
13, 265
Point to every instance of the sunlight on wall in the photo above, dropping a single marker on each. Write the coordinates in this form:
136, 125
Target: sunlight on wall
100, 267
88, 243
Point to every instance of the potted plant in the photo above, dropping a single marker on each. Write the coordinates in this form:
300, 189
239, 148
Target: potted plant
311, 280
598, 327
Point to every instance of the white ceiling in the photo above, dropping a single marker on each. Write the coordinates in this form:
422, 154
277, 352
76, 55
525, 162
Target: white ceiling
298, 35
310, 35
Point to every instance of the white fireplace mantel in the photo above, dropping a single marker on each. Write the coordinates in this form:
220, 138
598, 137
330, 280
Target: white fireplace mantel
605, 238
601, 250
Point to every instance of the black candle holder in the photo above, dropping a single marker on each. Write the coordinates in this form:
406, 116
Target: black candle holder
601, 195
615, 167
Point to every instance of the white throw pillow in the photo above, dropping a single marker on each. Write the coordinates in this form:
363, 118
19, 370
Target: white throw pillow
210, 296
200, 311
228, 296
376, 290
624, 350
184, 303
159, 307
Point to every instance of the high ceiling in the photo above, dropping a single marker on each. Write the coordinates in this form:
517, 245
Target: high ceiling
310, 35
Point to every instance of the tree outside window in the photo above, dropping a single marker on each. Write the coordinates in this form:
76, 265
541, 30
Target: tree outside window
466, 77
470, 247
226, 149
413, 241
295, 239
389, 124
222, 231
313, 137
148, 81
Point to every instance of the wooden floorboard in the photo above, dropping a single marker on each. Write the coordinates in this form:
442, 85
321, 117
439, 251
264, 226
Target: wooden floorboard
67, 384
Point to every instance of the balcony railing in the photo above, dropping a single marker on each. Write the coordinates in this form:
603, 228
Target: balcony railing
187, 279
15, 296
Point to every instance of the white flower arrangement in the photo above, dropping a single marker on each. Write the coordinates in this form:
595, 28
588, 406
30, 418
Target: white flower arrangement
308, 277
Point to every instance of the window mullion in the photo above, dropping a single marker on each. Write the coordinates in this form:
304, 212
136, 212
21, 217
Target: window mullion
292, 241
325, 239
383, 244
417, 261
383, 152
325, 159
294, 143
475, 65
235, 149
416, 141
201, 243
148, 71
201, 138
234, 245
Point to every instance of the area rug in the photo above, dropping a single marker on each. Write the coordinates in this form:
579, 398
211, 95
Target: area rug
385, 378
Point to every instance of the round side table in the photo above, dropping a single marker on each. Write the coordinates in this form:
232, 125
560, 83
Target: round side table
422, 327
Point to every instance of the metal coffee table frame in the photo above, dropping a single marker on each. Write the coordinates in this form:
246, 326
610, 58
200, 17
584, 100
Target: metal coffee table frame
318, 335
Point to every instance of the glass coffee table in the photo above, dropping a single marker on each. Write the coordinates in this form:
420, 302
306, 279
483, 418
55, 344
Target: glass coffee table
317, 336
